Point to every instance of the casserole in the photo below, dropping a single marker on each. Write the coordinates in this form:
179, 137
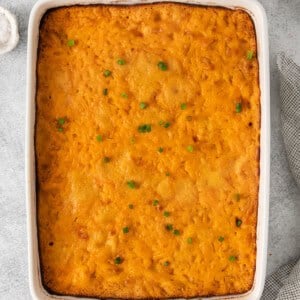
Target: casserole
260, 240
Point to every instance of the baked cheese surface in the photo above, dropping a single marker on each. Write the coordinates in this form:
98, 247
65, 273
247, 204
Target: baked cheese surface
147, 150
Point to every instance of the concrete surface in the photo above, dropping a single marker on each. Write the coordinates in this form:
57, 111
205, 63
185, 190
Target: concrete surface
284, 238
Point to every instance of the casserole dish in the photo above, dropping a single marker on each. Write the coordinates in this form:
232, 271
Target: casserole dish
263, 138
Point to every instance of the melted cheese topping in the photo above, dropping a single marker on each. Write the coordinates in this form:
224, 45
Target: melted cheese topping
91, 187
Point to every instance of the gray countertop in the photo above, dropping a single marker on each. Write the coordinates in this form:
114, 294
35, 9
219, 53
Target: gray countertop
284, 233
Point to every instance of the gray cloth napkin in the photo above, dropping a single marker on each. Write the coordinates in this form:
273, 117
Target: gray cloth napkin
290, 111
284, 284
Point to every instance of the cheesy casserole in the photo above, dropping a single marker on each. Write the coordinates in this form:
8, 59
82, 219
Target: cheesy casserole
147, 151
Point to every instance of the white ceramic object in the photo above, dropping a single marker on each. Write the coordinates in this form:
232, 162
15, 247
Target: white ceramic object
9, 34
258, 15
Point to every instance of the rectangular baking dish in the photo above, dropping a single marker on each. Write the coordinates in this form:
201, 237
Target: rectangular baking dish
260, 21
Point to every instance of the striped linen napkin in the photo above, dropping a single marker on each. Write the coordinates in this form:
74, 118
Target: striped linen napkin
284, 284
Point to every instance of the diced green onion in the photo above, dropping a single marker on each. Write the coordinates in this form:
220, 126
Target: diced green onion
106, 159
130, 206
249, 55
143, 105
107, 73
125, 230
238, 107
164, 124
183, 106
71, 43
176, 232
131, 184
232, 258
189, 240
121, 62
118, 260
169, 227
166, 263
61, 121
155, 202
162, 66
99, 138
166, 214
221, 239
238, 222
160, 149
144, 128
105, 92
190, 148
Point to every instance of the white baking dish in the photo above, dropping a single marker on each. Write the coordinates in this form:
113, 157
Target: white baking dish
259, 17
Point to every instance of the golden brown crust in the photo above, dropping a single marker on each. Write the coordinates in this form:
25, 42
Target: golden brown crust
83, 201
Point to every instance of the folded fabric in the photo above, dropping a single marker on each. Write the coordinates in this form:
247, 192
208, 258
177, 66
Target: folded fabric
284, 284
290, 111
